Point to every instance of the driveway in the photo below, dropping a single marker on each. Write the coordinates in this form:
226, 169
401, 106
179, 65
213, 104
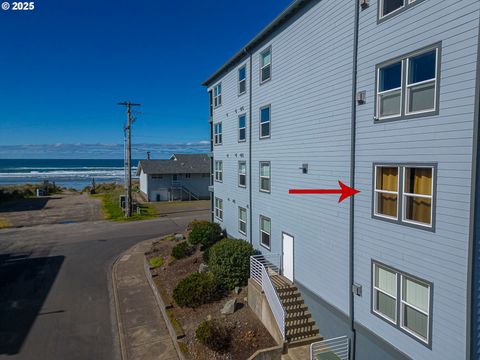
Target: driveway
55, 209
55, 288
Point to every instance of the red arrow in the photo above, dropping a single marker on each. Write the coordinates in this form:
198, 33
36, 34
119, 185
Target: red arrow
345, 191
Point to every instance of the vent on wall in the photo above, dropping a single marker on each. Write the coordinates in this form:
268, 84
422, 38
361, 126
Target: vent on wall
364, 4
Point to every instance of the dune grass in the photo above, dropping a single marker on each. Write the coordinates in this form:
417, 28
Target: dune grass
112, 211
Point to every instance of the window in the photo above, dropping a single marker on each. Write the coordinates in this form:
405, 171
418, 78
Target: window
157, 177
415, 307
415, 196
265, 65
265, 122
242, 220
217, 95
242, 128
421, 82
390, 7
218, 170
403, 300
386, 191
418, 86
265, 176
217, 133
242, 80
219, 208
390, 90
385, 293
242, 173
265, 231
188, 175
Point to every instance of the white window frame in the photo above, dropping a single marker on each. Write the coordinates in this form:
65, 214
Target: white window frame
265, 177
376, 289
400, 303
405, 194
377, 191
405, 87
240, 80
269, 122
242, 128
219, 209
267, 50
217, 95
218, 133
404, 303
386, 92
240, 221
406, 3
240, 174
218, 171
264, 232
408, 86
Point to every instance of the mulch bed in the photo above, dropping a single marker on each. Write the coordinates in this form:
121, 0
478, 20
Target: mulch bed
247, 332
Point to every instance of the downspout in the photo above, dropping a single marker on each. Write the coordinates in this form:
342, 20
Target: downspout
352, 178
250, 145
474, 244
212, 198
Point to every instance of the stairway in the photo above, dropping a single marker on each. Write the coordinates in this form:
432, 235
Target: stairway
300, 328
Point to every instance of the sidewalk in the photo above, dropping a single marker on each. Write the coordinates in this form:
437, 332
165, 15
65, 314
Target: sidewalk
143, 333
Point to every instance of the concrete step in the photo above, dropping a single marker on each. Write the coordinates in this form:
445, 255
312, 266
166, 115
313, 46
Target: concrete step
292, 301
300, 334
290, 309
289, 294
302, 322
303, 342
298, 315
294, 328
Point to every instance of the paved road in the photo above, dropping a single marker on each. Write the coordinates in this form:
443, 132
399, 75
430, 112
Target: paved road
55, 288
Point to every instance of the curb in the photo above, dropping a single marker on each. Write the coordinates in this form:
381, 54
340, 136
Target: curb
121, 335
162, 308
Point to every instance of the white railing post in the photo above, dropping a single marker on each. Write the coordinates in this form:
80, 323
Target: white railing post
260, 269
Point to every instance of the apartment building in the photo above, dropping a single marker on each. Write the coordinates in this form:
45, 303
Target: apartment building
382, 95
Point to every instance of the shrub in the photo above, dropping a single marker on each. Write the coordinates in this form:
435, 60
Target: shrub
206, 255
214, 335
197, 289
204, 233
229, 261
156, 262
182, 250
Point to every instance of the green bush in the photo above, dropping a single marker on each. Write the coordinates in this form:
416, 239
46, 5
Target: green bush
206, 255
204, 233
197, 289
156, 262
182, 250
229, 261
214, 335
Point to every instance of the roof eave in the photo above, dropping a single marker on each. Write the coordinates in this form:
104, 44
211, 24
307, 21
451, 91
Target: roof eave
270, 28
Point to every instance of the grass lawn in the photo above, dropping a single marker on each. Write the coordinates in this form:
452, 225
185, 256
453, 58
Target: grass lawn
112, 210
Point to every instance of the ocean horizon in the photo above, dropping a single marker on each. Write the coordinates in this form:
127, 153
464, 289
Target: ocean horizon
68, 173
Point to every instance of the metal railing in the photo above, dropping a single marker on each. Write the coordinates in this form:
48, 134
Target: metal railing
339, 346
269, 261
261, 269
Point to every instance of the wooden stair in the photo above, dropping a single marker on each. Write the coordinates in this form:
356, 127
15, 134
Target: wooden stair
299, 325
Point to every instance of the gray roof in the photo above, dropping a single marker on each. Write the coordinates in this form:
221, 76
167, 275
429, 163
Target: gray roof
290, 11
177, 164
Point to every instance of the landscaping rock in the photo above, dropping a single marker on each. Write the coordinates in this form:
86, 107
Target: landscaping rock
229, 307
203, 268
237, 290
209, 317
178, 237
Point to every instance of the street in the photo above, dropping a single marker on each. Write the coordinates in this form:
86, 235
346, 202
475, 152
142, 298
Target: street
55, 286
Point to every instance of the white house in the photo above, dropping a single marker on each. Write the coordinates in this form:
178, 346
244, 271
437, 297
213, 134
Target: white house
182, 177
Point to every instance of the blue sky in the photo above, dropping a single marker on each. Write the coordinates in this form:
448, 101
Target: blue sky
67, 63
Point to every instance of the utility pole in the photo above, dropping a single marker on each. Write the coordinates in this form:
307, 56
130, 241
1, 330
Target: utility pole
128, 129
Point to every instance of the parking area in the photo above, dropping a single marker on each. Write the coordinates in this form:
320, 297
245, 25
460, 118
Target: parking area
56, 209
172, 209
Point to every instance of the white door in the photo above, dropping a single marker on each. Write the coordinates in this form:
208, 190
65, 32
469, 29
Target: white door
287, 256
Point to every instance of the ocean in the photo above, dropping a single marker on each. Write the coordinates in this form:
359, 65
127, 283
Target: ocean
75, 173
